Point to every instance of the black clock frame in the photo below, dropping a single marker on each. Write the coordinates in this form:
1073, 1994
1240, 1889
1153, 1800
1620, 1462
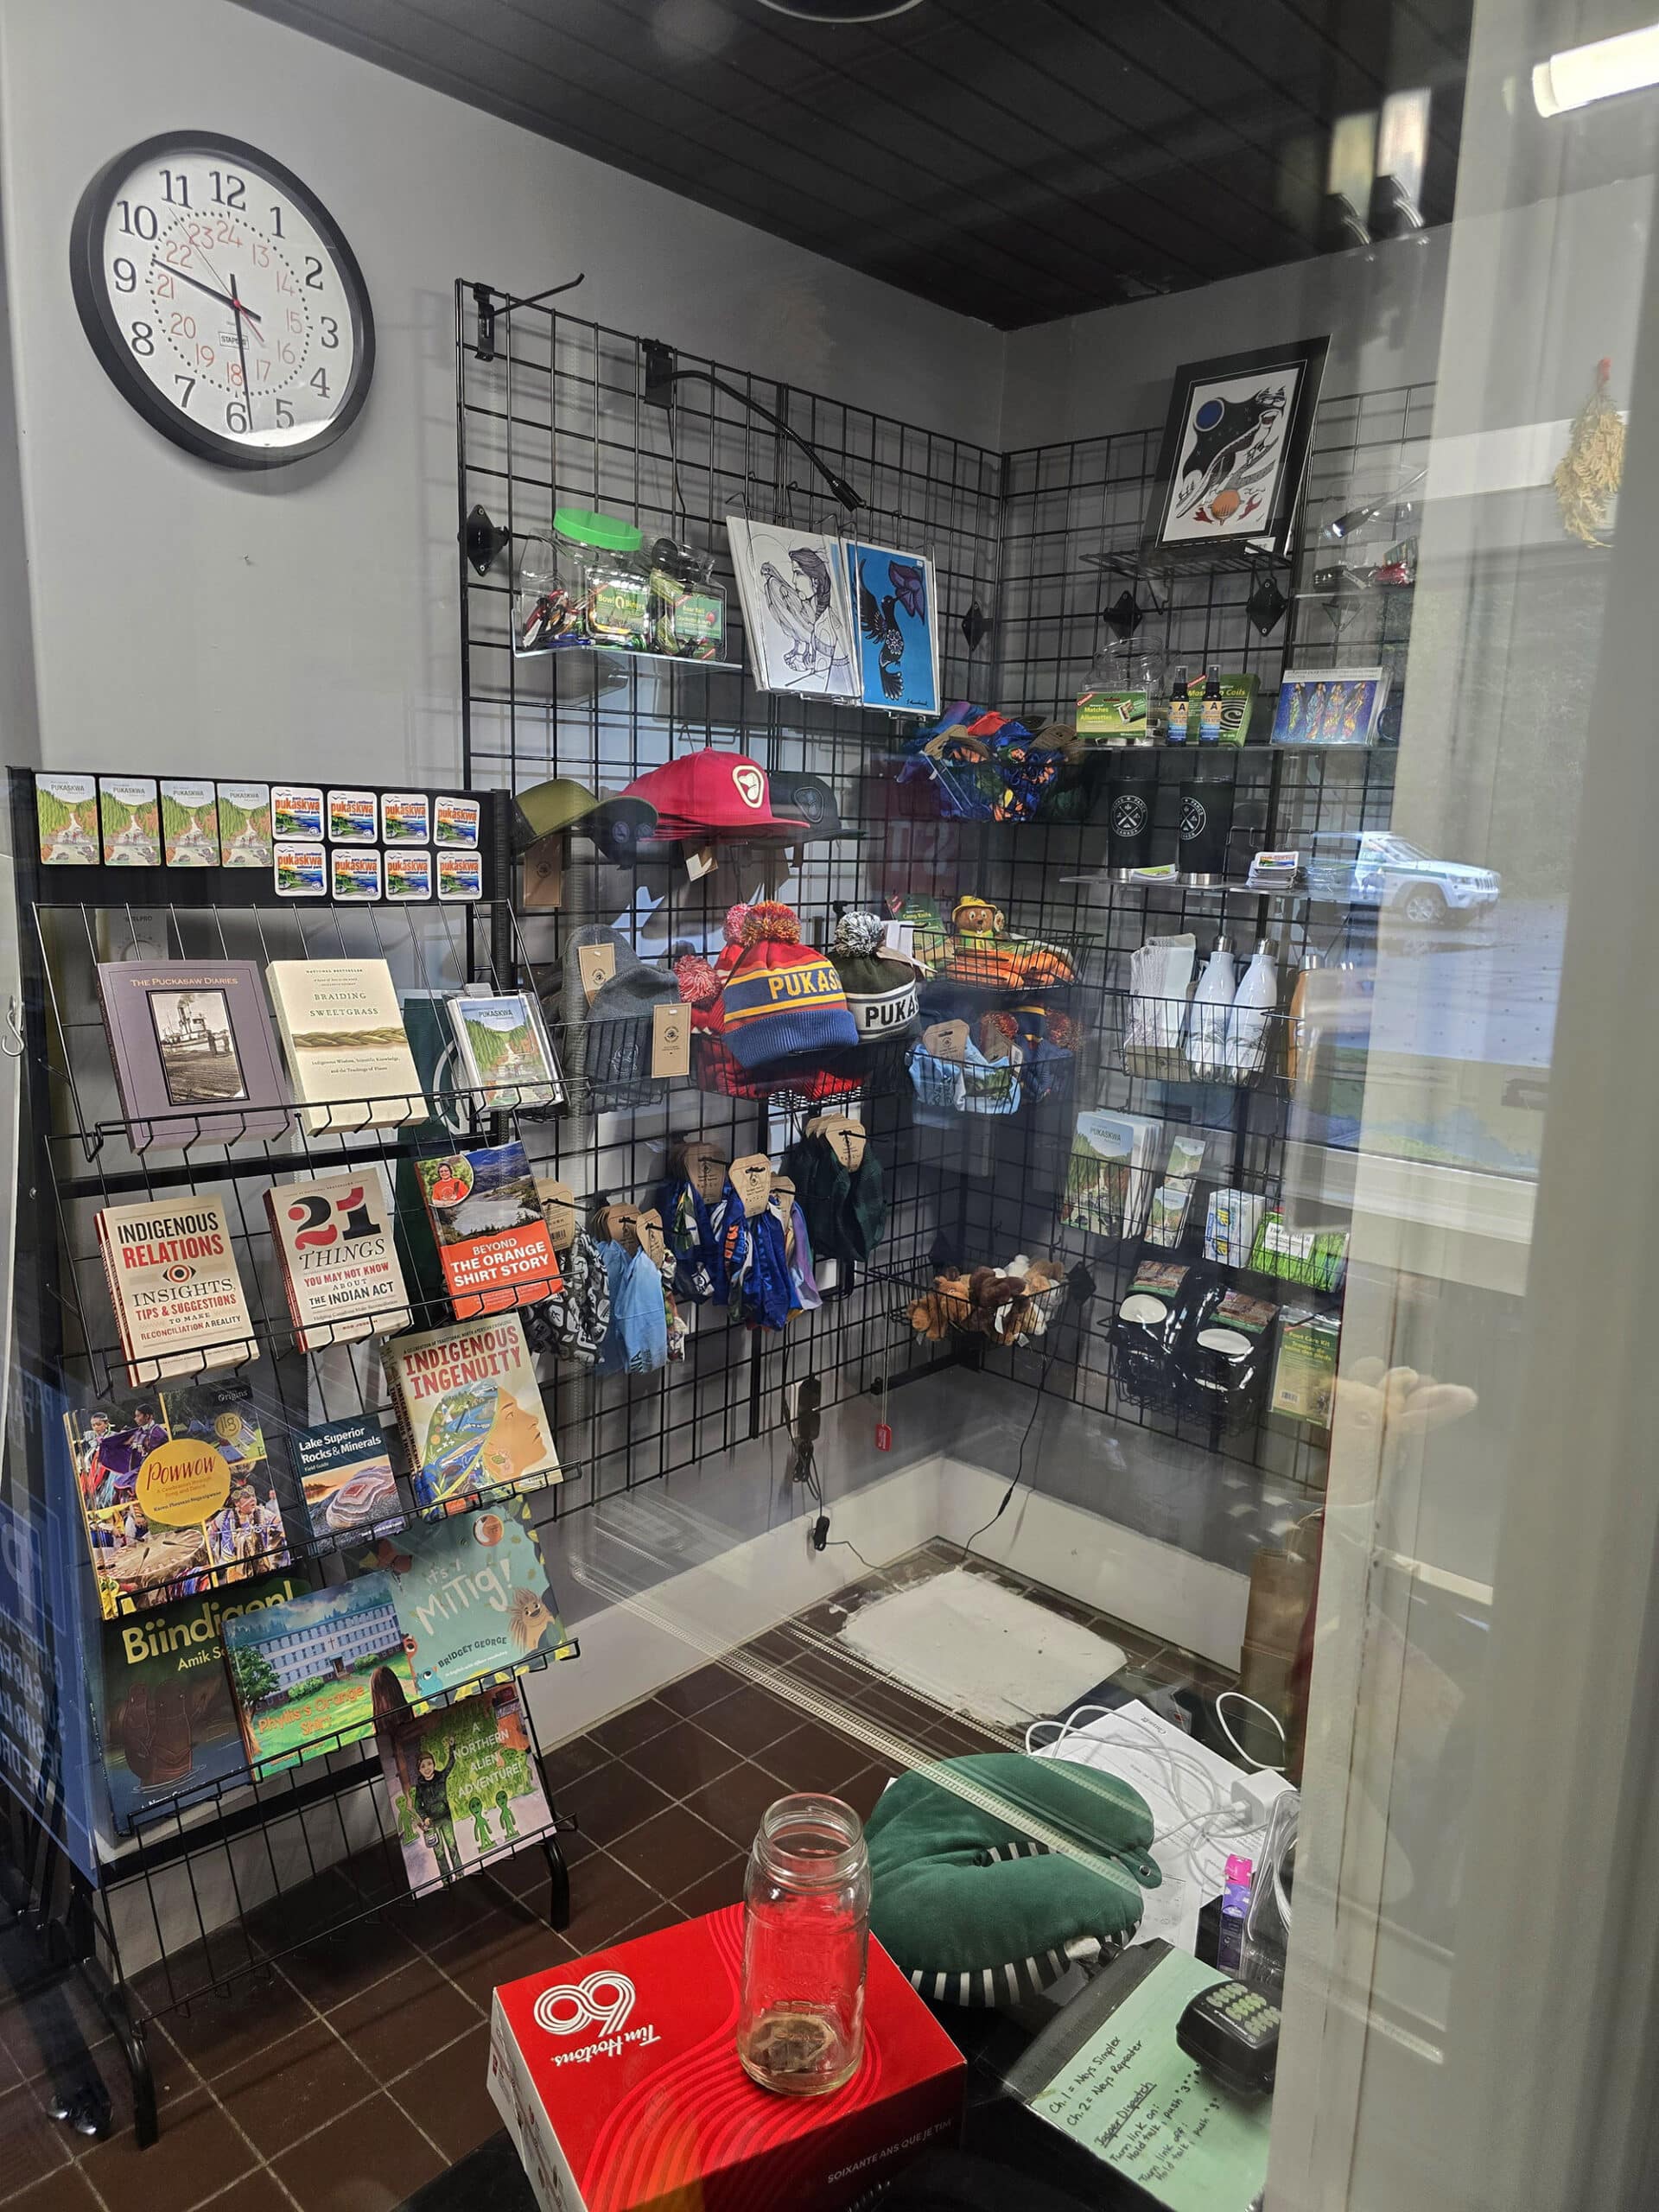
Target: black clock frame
99, 320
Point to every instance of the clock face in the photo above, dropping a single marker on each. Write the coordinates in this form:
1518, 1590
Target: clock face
223, 299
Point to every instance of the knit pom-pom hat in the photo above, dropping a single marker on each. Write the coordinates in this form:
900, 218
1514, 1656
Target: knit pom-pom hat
696, 978
781, 996
882, 994
727, 957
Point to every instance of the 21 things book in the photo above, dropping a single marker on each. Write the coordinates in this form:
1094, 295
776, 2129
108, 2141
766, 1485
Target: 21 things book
490, 1231
176, 1495
471, 1412
169, 1726
195, 1060
334, 1236
313, 1674
472, 1596
463, 1786
343, 1036
174, 1282
505, 1051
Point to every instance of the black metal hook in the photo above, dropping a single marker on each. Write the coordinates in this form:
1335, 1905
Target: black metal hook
484, 298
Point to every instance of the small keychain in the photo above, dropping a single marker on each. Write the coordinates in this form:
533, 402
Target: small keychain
883, 1429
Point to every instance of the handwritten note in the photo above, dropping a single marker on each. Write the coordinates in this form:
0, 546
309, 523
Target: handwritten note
1133, 2097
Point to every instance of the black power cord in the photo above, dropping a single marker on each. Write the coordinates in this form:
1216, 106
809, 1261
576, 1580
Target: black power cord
1079, 1290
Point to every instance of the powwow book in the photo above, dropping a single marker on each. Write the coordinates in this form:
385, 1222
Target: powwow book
343, 1036
488, 1223
471, 1411
333, 1237
463, 1786
472, 1595
195, 1060
175, 1289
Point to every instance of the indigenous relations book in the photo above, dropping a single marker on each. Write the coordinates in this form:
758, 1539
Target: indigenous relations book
169, 1721
173, 1283
471, 1411
195, 1060
334, 1236
488, 1226
463, 1784
313, 1673
175, 1494
344, 1038
472, 1596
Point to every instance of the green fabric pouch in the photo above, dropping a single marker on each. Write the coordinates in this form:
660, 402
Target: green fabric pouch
975, 1908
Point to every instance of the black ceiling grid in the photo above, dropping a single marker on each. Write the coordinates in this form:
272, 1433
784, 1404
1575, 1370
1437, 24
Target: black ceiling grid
1015, 161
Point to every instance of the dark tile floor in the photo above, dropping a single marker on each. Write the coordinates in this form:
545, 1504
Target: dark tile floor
350, 2078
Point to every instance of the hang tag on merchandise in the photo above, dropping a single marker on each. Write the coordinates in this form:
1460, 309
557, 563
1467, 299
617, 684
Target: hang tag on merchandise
671, 1040
597, 965
700, 863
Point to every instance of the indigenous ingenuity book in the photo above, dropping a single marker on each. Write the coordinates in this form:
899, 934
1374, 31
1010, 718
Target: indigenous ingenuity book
334, 1236
195, 1057
169, 1722
463, 1786
472, 1595
315, 1672
471, 1411
489, 1229
344, 1038
174, 1285
176, 1495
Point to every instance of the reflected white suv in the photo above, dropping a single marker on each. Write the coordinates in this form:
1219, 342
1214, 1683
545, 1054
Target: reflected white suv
1375, 867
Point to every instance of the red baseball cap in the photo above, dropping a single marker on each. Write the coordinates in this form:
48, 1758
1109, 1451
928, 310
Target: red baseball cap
710, 790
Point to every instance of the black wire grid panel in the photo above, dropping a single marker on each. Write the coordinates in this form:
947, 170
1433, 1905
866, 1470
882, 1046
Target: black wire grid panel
551, 411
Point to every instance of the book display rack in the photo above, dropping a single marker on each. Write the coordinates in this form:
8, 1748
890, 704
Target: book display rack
978, 1154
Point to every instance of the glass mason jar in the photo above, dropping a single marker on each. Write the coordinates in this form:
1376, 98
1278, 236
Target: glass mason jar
806, 1929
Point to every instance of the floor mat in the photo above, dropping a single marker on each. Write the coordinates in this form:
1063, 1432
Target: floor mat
963, 1640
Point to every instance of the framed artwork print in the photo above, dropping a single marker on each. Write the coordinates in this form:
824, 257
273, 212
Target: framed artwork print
1235, 450
1329, 706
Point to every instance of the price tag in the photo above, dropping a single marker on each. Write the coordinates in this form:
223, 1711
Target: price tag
898, 940
597, 965
544, 875
883, 1437
671, 1040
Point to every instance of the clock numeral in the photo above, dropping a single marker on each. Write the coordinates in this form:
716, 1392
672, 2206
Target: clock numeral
182, 197
229, 189
285, 353
319, 383
277, 222
330, 332
164, 287
139, 221
126, 276
204, 356
181, 326
236, 415
284, 416
189, 384
143, 338
314, 272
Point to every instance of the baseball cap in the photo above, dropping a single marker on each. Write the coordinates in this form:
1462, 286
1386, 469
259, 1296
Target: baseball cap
546, 807
811, 798
710, 790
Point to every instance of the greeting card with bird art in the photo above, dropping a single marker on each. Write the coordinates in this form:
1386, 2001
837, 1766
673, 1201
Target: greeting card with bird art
898, 629
792, 585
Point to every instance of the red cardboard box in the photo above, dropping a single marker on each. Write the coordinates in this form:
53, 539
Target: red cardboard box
618, 2080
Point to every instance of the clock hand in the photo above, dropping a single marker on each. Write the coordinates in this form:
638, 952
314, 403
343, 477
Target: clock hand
242, 352
224, 298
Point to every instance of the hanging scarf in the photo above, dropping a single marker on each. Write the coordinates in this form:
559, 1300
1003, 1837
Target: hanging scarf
807, 1296
689, 1232
734, 1245
572, 1324
768, 1294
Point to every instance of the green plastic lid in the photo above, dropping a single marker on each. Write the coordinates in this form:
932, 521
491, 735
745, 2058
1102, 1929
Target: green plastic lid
586, 527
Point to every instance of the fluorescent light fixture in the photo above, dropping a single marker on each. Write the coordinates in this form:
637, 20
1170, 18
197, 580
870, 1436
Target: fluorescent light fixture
1402, 142
1629, 63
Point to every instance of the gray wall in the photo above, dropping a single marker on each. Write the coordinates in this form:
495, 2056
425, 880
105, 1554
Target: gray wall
189, 618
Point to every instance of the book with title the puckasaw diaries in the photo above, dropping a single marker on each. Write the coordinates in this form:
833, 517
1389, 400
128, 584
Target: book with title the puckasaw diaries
195, 1060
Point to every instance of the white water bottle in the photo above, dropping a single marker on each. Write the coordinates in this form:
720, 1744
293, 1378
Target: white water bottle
1206, 1027
1246, 1048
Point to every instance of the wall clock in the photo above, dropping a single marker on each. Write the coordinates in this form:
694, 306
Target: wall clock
223, 299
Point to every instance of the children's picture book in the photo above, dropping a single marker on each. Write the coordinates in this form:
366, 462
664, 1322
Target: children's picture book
336, 1242
315, 1672
797, 611
195, 1059
898, 627
488, 1226
244, 837
176, 1495
343, 1036
129, 822
173, 1283
463, 1786
505, 1052
1329, 706
471, 1412
66, 814
343, 1470
168, 1719
189, 824
472, 1595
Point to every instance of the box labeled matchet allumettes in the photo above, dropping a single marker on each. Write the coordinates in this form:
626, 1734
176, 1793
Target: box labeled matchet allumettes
619, 2080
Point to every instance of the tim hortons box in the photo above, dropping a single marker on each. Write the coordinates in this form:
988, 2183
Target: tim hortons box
618, 2080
